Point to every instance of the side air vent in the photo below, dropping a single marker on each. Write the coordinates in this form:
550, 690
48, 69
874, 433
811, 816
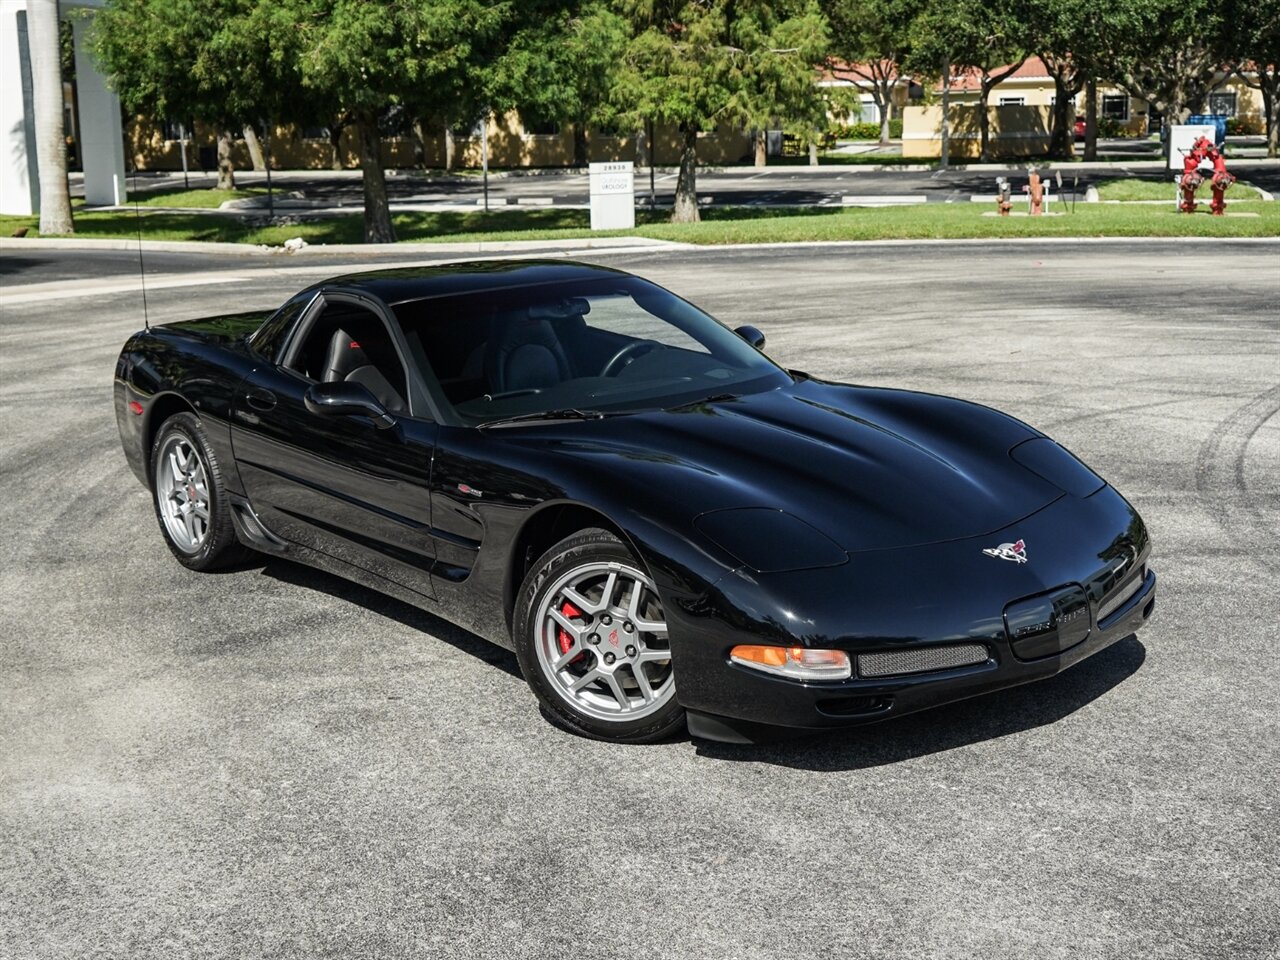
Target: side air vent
899, 663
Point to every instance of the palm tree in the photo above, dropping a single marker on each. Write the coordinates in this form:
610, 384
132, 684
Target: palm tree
51, 144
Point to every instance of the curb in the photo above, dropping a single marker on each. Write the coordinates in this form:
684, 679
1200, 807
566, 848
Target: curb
344, 249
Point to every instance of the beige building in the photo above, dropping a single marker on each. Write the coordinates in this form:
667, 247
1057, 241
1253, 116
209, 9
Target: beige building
1020, 110
511, 143
860, 80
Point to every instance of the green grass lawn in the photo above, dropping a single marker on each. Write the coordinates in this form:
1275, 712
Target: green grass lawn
721, 224
201, 198
1131, 189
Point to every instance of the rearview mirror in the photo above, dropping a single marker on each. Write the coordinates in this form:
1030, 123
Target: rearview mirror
752, 335
342, 399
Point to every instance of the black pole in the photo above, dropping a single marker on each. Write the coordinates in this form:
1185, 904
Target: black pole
266, 144
484, 156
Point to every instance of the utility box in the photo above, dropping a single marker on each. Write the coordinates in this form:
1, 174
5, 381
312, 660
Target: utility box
613, 195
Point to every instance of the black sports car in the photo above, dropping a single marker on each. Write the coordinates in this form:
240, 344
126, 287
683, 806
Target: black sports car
663, 524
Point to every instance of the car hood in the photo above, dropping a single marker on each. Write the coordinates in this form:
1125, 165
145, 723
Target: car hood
871, 468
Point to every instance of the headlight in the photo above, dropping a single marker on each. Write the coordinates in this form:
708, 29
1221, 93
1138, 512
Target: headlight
797, 663
1054, 463
769, 541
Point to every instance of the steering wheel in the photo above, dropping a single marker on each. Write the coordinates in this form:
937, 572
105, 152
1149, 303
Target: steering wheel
624, 356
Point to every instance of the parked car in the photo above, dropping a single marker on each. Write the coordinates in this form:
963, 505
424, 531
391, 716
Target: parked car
666, 526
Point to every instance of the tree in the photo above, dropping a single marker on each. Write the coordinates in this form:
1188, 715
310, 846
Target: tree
873, 38
1258, 51
559, 69
698, 64
990, 39
1169, 52
366, 58
51, 144
217, 61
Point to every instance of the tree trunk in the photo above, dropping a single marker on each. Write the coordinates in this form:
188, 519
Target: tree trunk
450, 149
760, 147
1063, 125
419, 145
813, 152
1091, 120
1174, 113
686, 205
226, 169
51, 143
335, 146
884, 101
580, 158
377, 212
1269, 111
255, 148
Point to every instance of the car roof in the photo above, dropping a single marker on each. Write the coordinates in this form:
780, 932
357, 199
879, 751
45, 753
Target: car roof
406, 284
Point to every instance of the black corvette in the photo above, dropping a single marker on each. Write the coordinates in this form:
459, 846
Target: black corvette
663, 524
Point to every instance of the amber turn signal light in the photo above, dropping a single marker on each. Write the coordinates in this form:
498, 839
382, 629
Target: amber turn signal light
797, 663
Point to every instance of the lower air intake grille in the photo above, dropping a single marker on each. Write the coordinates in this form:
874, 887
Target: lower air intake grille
1121, 596
921, 660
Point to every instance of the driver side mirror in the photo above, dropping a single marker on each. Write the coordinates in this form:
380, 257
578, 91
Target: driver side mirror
342, 399
752, 335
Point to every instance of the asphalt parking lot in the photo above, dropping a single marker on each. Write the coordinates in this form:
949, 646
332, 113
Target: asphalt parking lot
275, 763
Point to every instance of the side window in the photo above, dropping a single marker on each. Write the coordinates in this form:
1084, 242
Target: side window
350, 343
268, 338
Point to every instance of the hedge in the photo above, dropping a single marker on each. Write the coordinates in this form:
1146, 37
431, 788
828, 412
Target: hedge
869, 131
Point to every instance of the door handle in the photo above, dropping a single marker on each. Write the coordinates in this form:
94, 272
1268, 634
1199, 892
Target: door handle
261, 399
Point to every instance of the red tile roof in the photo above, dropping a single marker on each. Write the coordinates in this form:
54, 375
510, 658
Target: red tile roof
838, 70
971, 79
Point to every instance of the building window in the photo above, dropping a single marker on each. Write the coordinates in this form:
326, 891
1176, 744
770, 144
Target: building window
1222, 104
1115, 106
1013, 101
546, 129
175, 129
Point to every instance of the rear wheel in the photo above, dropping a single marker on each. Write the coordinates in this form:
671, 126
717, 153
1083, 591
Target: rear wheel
189, 496
592, 641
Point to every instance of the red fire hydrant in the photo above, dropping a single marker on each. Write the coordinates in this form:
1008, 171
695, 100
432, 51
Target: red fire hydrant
1220, 181
1036, 190
1204, 149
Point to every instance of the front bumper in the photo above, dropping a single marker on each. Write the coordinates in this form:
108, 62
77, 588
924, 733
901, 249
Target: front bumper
758, 701
1085, 586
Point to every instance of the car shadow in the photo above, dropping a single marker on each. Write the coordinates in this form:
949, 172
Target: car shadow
946, 728
464, 640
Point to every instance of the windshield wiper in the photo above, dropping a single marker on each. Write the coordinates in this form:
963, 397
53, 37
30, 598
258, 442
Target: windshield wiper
568, 413
714, 398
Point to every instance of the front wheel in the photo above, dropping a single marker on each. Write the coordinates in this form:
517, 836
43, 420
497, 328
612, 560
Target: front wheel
189, 497
592, 642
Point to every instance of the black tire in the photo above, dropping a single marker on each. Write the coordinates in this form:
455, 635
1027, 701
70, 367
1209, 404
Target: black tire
219, 546
590, 546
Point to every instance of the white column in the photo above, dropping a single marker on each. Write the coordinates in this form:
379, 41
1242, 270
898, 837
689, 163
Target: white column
101, 137
19, 178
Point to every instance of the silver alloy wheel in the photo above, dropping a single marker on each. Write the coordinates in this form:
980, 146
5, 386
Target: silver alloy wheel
602, 642
182, 493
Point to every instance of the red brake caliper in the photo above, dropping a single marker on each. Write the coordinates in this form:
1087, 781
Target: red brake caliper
566, 641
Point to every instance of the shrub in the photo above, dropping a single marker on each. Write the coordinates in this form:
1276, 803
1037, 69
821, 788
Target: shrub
1237, 126
867, 130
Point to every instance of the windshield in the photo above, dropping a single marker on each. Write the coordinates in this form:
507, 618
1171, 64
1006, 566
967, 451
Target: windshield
611, 345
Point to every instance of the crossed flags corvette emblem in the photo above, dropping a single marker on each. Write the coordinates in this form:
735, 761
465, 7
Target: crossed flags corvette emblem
1017, 552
